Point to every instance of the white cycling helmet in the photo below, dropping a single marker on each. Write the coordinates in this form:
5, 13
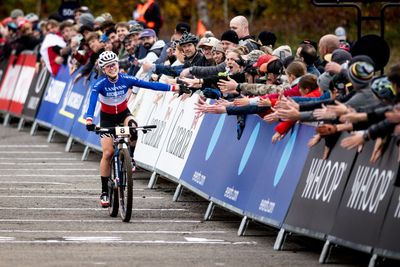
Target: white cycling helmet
107, 57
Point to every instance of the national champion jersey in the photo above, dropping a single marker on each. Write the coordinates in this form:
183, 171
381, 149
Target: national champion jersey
114, 95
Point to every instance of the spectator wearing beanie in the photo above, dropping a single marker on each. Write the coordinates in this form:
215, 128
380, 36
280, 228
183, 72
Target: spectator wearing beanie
360, 75
266, 38
229, 40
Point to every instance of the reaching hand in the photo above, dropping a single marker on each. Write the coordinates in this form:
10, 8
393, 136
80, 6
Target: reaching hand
333, 67
277, 137
272, 117
241, 101
228, 86
324, 114
289, 113
353, 117
339, 108
264, 102
353, 141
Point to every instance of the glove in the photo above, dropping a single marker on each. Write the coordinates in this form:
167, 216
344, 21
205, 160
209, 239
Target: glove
90, 127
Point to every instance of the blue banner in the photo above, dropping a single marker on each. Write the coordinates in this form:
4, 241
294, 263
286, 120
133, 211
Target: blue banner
52, 96
249, 174
69, 106
277, 170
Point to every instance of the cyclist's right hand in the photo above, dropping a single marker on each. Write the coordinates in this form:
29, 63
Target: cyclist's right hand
90, 126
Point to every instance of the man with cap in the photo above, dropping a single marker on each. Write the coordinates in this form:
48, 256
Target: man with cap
153, 46
206, 45
167, 52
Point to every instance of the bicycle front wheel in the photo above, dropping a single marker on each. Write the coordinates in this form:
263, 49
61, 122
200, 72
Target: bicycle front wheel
125, 187
113, 195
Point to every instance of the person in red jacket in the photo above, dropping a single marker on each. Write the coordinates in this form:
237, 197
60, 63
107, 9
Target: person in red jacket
308, 87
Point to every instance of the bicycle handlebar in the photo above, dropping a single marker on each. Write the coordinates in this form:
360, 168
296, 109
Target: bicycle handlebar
112, 130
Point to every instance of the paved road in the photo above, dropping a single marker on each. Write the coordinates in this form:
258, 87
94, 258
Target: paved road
50, 216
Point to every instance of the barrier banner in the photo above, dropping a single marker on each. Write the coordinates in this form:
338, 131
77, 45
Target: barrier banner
35, 93
70, 104
184, 129
365, 200
389, 244
142, 106
52, 96
162, 112
10, 80
320, 190
78, 131
3, 68
24, 82
274, 172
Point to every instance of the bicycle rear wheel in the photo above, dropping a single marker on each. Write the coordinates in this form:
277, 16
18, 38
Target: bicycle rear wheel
125, 188
113, 194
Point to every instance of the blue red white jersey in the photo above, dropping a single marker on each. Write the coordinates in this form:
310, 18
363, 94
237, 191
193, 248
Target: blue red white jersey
114, 95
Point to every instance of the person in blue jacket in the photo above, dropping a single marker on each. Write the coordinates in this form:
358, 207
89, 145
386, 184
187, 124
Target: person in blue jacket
113, 91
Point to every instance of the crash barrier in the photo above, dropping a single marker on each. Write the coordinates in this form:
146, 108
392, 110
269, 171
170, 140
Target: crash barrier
342, 199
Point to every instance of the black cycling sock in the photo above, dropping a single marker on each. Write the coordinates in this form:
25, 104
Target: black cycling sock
104, 183
131, 151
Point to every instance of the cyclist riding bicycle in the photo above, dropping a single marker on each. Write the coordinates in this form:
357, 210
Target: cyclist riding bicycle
113, 89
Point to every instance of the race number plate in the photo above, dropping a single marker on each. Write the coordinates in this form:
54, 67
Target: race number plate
122, 131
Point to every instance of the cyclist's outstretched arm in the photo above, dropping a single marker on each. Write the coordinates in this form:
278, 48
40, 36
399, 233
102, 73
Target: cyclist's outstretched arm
150, 85
92, 103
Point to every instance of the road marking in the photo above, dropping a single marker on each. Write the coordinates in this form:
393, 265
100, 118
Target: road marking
115, 232
26, 182
56, 189
202, 240
23, 146
146, 242
6, 238
48, 169
14, 208
47, 175
68, 197
31, 152
8, 158
99, 221
43, 163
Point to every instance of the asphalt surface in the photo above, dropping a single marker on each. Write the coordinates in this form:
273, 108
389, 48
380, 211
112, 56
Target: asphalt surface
50, 216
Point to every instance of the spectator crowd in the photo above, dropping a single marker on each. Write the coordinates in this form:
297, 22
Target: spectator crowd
330, 82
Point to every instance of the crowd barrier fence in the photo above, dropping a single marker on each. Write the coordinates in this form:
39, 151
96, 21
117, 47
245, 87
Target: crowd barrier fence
343, 199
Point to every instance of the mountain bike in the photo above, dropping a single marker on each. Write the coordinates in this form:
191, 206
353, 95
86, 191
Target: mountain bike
120, 185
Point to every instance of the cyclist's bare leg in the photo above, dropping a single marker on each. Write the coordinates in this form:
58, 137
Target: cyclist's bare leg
108, 151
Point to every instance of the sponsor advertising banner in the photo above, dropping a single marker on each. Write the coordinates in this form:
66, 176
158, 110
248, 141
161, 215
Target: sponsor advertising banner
69, 106
10, 81
320, 190
390, 235
52, 97
365, 200
162, 112
35, 93
25, 80
274, 171
248, 173
180, 139
78, 131
3, 68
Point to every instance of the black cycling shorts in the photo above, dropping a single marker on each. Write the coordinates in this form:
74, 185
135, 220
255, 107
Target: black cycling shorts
112, 120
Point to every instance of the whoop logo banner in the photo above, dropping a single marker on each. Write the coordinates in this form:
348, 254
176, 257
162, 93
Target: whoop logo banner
25, 80
180, 139
390, 235
365, 199
320, 189
10, 80
35, 93
52, 97
148, 147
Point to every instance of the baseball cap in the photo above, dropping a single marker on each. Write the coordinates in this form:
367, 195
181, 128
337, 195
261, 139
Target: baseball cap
147, 33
